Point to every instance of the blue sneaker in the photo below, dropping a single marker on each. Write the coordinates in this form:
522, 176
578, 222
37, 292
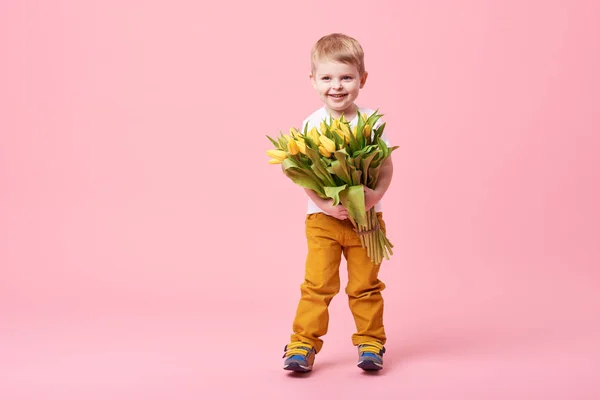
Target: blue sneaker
370, 356
299, 357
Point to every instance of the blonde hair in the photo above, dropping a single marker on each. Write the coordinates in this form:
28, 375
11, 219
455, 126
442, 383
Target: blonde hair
341, 48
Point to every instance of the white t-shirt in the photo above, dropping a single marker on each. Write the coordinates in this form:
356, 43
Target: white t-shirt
314, 121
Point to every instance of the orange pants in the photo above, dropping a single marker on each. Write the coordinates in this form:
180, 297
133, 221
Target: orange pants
328, 238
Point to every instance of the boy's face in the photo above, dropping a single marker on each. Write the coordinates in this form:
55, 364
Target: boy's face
338, 85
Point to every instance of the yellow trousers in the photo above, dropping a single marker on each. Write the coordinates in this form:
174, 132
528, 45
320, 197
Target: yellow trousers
328, 238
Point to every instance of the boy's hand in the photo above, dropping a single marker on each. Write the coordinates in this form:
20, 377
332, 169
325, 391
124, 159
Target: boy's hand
338, 211
372, 197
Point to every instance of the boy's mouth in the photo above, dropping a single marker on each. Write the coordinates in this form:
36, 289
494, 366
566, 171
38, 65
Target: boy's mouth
338, 96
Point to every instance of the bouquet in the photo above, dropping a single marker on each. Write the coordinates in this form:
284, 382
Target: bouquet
336, 161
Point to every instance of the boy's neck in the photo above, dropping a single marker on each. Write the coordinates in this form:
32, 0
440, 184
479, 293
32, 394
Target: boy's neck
349, 114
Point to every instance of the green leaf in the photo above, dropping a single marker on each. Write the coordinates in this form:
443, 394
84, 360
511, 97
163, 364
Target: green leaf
342, 152
274, 142
334, 193
355, 174
312, 154
354, 143
283, 143
360, 126
373, 176
378, 132
301, 163
366, 164
353, 199
359, 153
327, 130
357, 161
340, 168
315, 169
337, 169
319, 167
290, 162
301, 177
373, 118
384, 148
339, 141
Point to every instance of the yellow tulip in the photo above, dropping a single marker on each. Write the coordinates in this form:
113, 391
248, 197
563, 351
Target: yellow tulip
335, 124
277, 154
323, 128
345, 128
327, 143
287, 138
275, 161
343, 135
313, 134
293, 147
301, 146
354, 131
367, 130
324, 152
339, 132
294, 132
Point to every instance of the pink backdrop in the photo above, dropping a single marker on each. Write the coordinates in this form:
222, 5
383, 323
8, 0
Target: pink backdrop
148, 251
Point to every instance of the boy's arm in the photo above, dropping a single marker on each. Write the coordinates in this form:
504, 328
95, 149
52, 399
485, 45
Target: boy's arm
326, 205
373, 196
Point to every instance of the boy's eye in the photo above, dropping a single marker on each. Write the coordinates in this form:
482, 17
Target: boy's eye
347, 78
325, 78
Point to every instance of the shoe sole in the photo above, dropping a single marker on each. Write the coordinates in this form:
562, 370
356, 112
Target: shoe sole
297, 367
370, 366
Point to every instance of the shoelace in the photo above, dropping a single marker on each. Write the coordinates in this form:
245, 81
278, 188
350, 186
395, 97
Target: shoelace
297, 349
372, 347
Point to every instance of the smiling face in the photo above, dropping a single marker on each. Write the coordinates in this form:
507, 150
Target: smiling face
338, 85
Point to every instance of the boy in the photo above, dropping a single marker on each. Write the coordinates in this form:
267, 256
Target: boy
337, 74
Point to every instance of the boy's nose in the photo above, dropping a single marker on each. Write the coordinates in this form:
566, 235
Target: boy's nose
337, 83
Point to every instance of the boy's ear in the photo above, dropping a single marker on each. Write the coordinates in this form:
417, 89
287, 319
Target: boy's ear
313, 80
363, 79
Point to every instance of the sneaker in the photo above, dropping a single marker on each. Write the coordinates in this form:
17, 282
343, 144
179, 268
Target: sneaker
370, 356
299, 357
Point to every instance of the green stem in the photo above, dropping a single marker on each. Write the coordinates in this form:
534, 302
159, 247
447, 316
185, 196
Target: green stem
383, 246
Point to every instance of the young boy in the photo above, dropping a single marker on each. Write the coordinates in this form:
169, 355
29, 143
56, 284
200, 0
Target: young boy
338, 73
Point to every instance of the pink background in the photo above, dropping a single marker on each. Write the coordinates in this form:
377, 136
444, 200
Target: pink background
148, 251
